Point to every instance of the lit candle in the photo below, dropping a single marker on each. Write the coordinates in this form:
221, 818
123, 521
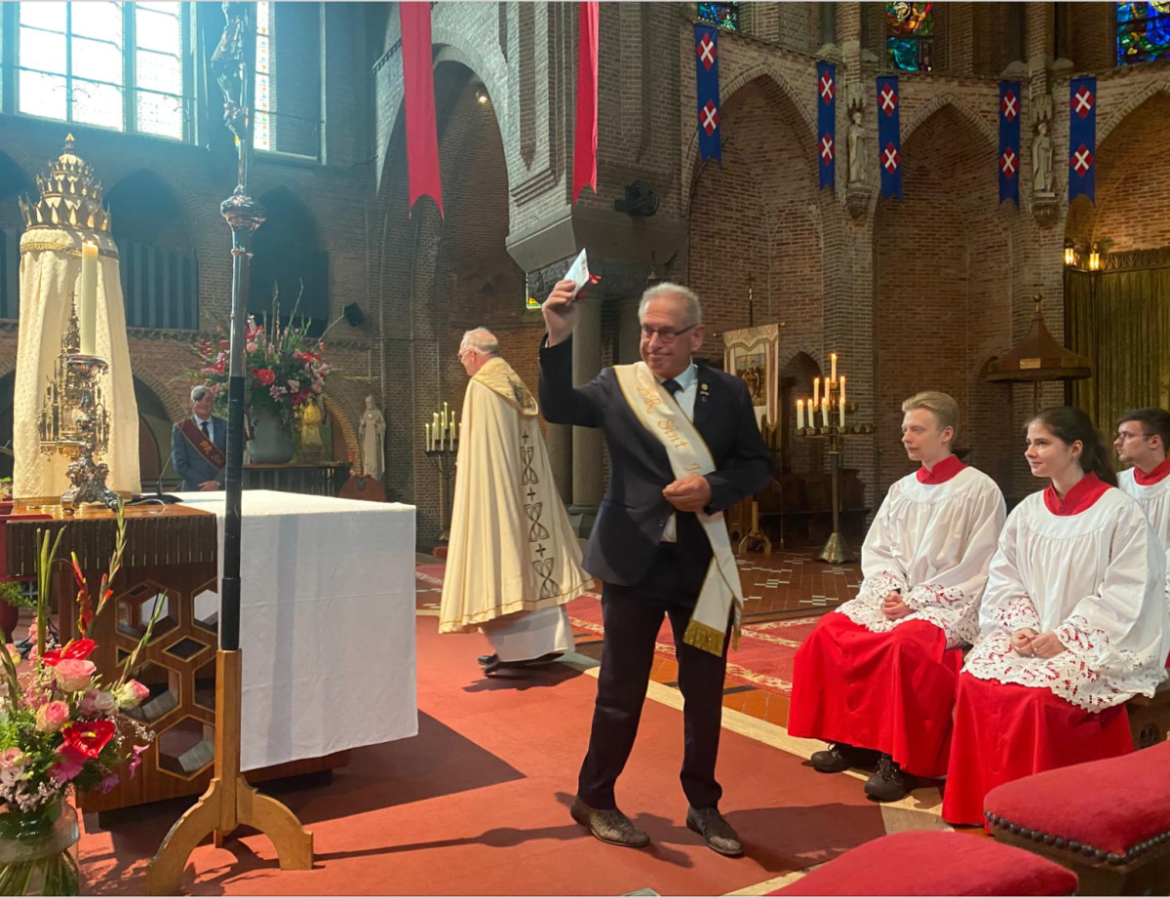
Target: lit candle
825, 412
833, 367
435, 433
841, 407
841, 395
427, 436
87, 311
816, 392
800, 413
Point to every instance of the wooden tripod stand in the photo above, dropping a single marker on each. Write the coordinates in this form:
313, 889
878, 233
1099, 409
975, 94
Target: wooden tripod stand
230, 801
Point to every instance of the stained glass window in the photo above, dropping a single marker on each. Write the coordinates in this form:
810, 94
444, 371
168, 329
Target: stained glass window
263, 136
725, 15
1143, 32
75, 60
910, 40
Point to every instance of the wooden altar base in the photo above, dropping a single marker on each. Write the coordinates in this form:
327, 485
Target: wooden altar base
171, 551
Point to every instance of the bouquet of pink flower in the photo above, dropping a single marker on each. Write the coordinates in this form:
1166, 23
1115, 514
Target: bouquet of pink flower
285, 366
60, 724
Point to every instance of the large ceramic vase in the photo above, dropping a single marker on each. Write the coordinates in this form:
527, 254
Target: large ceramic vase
272, 442
38, 851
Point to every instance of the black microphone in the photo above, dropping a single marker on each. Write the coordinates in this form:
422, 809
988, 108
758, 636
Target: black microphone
163, 472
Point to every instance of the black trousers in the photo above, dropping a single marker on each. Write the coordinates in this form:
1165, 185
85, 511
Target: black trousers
632, 616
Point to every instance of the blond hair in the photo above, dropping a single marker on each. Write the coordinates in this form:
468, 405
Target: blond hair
944, 407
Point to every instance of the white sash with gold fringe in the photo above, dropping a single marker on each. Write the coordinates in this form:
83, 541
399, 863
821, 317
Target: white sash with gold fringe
721, 598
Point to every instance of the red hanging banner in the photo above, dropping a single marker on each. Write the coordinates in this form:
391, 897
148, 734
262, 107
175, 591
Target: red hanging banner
585, 136
422, 142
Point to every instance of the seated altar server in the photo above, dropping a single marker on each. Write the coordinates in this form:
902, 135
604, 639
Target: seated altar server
877, 677
1142, 437
513, 560
1073, 624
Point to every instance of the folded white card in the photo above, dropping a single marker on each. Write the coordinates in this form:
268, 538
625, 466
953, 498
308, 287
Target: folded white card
578, 273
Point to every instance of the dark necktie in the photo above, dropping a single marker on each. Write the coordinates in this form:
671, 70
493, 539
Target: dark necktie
671, 386
206, 432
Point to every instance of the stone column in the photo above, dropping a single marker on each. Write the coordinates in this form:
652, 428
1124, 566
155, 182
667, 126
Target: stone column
629, 331
587, 479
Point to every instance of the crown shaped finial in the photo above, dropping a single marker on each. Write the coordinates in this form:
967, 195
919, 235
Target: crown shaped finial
70, 197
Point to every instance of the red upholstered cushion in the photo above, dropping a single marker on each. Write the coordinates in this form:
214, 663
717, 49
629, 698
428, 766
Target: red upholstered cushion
1119, 806
935, 863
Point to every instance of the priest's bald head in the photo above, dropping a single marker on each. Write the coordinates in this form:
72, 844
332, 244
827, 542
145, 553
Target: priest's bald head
478, 347
672, 328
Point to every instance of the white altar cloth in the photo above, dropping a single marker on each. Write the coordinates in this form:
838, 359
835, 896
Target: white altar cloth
327, 602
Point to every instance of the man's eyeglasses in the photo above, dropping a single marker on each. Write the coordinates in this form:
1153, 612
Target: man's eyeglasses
665, 334
1123, 436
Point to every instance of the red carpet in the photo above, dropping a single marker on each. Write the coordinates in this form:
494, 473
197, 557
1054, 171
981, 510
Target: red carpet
764, 657
477, 804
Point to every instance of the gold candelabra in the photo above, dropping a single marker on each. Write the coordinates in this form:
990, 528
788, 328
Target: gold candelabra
74, 421
827, 419
441, 445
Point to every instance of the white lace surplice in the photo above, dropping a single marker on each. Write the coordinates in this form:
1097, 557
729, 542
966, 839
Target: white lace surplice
933, 542
1155, 502
1096, 579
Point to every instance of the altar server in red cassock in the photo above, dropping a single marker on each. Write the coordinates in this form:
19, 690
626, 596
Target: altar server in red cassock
1073, 624
877, 677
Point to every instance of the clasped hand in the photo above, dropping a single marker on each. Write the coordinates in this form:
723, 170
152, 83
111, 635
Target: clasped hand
1030, 644
893, 607
689, 493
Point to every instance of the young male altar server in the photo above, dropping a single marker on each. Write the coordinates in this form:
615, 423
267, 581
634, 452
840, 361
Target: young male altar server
1073, 624
877, 677
1142, 437
513, 560
683, 445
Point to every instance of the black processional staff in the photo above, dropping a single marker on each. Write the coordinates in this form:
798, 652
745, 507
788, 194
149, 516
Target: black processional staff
243, 215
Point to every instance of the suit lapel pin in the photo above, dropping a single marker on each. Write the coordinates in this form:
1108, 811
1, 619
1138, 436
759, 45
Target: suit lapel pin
703, 392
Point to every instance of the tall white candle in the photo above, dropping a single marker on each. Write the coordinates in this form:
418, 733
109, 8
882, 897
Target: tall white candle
825, 412
87, 308
841, 395
833, 368
427, 437
841, 405
816, 392
800, 413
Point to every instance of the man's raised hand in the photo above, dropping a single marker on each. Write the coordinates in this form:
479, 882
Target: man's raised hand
560, 312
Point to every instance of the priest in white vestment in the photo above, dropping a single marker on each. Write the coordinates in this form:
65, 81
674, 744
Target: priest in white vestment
68, 214
1073, 624
513, 560
877, 677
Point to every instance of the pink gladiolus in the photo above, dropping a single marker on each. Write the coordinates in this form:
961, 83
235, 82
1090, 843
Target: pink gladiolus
132, 694
70, 763
109, 783
74, 675
136, 758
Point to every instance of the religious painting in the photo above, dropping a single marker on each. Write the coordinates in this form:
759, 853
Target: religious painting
1143, 32
752, 354
910, 40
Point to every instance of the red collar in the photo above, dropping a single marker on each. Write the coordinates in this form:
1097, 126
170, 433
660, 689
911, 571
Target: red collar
1155, 476
943, 471
1080, 498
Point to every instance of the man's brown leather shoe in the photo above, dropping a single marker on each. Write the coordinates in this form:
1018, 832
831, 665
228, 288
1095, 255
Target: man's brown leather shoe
716, 831
610, 825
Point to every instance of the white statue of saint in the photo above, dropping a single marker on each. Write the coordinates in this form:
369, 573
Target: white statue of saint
857, 151
1042, 159
372, 437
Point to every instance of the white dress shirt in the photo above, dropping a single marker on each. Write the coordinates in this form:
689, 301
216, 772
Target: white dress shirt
689, 381
199, 422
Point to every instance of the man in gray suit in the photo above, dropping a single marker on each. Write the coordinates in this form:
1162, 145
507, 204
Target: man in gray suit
198, 443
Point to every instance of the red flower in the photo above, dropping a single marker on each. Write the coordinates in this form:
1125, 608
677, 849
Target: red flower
77, 650
219, 366
89, 737
266, 376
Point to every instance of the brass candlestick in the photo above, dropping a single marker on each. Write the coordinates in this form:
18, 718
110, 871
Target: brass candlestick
831, 410
441, 446
74, 421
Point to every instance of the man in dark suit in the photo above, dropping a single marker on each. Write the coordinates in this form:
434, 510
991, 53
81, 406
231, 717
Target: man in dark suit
198, 443
650, 547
